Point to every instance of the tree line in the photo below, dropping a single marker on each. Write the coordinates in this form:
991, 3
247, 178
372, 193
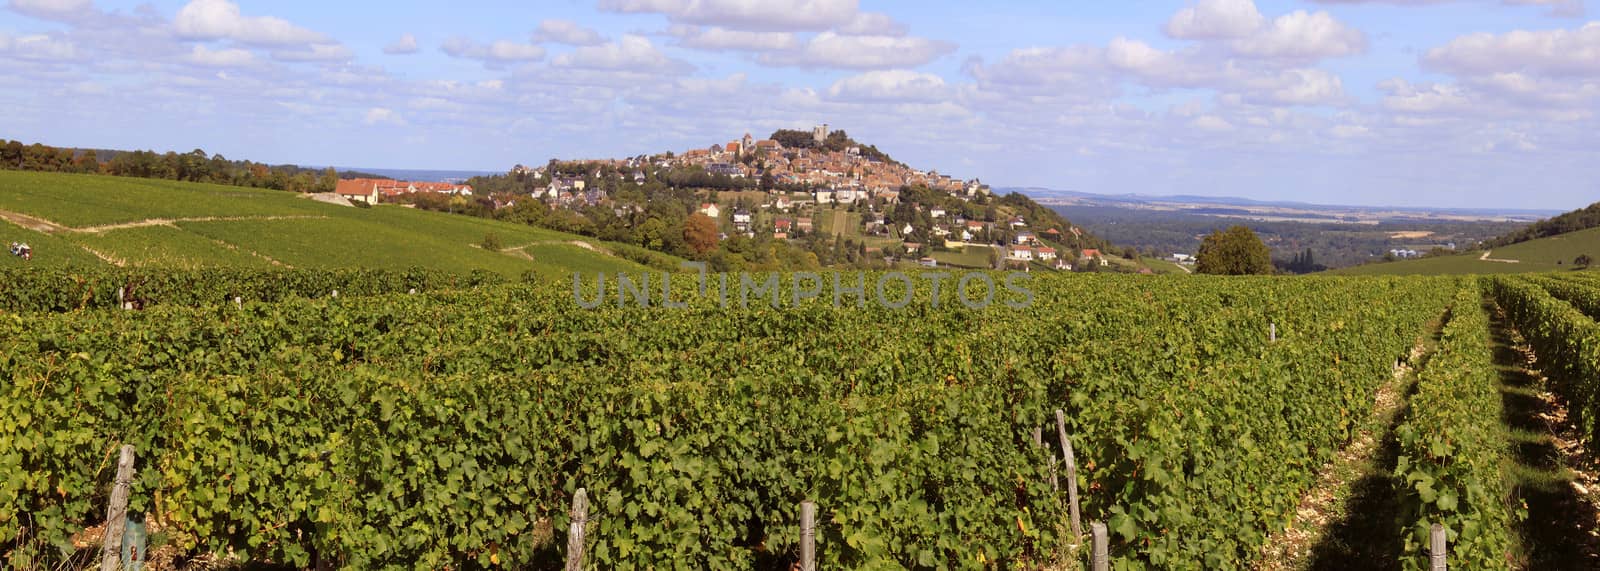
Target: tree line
1581, 219
836, 141
193, 166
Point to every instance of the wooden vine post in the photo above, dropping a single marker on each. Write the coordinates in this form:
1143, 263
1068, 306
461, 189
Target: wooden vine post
1101, 558
1055, 483
808, 536
1437, 551
580, 518
1273, 331
1072, 474
117, 512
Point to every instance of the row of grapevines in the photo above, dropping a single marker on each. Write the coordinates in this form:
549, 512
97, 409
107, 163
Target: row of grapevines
57, 290
1453, 449
1234, 444
1566, 340
1583, 294
451, 428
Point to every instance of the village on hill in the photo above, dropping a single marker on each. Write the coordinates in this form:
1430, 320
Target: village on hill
793, 200
796, 185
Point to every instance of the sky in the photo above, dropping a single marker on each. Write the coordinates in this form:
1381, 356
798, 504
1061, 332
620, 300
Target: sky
1443, 103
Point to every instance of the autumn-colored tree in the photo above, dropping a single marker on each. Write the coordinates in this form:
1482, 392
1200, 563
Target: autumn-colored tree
1236, 251
329, 181
700, 232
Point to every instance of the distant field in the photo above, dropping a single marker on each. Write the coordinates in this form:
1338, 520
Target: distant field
239, 227
1543, 255
89, 200
460, 230
566, 258
969, 257
1163, 266
167, 247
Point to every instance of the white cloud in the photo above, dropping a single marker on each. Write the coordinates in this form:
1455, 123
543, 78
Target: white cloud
220, 19
1156, 66
1215, 19
53, 9
1096, 71
1558, 8
314, 52
1403, 96
498, 51
831, 50
204, 56
755, 15
1301, 35
1548, 52
39, 47
1349, 131
407, 44
1296, 87
718, 39
872, 24
383, 116
631, 53
1536, 92
1044, 67
1211, 123
566, 32
890, 85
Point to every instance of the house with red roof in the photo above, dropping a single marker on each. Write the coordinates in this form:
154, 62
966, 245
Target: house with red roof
358, 190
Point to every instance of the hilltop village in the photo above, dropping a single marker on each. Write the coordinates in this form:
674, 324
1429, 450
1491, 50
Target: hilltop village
792, 200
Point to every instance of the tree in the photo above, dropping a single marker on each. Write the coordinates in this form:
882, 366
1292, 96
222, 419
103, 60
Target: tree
700, 233
1236, 251
329, 181
491, 242
89, 162
1583, 261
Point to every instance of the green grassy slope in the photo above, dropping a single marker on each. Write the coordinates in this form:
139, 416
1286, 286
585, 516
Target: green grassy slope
167, 247
1542, 255
217, 226
88, 200
48, 251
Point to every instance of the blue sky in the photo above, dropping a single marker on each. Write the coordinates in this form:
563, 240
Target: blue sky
1458, 103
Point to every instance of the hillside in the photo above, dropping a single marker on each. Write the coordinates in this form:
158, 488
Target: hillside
1581, 219
1554, 253
86, 220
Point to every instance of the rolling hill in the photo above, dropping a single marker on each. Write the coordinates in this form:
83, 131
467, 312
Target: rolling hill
88, 220
1554, 253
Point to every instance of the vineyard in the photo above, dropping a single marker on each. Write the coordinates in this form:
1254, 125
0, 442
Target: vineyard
449, 427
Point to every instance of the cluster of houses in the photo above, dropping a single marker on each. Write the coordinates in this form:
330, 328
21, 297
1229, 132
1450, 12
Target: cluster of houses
1027, 247
372, 190
744, 220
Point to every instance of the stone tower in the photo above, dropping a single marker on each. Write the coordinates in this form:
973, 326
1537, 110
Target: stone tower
819, 133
